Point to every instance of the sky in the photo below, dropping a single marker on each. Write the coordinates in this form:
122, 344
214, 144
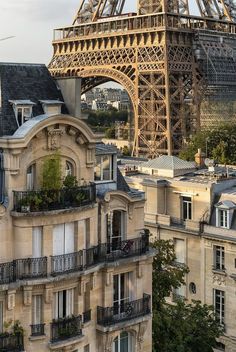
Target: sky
32, 23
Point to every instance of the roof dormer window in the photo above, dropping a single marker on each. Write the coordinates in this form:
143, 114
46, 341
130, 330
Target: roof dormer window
51, 107
224, 213
23, 110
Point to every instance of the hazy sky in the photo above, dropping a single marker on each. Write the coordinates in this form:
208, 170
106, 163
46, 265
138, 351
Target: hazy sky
32, 23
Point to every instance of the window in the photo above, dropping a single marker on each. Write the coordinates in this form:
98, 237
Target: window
69, 169
223, 218
63, 304
115, 229
187, 208
23, 114
1, 316
192, 288
179, 250
86, 348
37, 309
123, 343
179, 293
121, 291
37, 242
30, 177
104, 168
219, 258
219, 304
63, 243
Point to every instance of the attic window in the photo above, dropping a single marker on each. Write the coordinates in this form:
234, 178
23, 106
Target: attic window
23, 110
23, 114
51, 107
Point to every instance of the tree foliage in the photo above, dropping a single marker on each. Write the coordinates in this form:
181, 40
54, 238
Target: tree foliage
181, 327
106, 118
51, 178
219, 143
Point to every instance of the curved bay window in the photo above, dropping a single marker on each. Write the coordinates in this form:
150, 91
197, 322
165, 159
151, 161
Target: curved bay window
115, 229
123, 343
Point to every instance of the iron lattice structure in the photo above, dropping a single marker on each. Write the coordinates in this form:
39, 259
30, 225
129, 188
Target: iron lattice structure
165, 57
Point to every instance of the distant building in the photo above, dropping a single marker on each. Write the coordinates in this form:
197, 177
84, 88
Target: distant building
196, 208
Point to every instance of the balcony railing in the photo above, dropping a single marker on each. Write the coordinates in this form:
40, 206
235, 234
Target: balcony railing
78, 261
87, 316
65, 328
37, 330
22, 269
124, 311
36, 268
11, 342
47, 200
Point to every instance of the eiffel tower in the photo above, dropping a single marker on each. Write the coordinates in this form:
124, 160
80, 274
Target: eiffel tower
168, 60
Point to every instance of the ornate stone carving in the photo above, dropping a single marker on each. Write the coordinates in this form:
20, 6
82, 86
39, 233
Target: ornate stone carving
140, 336
48, 295
54, 138
27, 295
11, 300
219, 279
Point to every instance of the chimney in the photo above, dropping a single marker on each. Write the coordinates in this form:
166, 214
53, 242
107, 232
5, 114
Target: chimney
200, 158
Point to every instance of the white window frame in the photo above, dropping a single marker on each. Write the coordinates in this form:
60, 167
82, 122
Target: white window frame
30, 177
63, 303
69, 169
219, 257
24, 116
222, 218
188, 202
123, 279
37, 309
118, 340
183, 245
111, 170
219, 295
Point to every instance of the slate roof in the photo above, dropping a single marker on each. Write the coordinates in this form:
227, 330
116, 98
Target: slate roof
166, 162
24, 82
104, 149
121, 183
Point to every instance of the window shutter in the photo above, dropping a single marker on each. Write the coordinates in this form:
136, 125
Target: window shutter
37, 237
58, 239
55, 308
37, 310
69, 302
69, 238
179, 250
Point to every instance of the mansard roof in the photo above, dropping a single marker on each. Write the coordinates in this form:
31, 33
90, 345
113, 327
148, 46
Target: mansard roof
22, 83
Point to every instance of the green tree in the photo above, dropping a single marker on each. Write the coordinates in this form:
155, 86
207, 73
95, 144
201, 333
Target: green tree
51, 178
181, 327
220, 143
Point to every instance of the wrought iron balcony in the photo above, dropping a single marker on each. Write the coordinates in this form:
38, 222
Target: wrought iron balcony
67, 263
124, 311
177, 297
11, 342
87, 316
37, 330
128, 248
47, 200
22, 269
65, 328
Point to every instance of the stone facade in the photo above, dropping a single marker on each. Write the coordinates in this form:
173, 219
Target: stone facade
75, 271
184, 209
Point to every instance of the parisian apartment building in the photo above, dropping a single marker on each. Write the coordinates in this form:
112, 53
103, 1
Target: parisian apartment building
195, 207
75, 261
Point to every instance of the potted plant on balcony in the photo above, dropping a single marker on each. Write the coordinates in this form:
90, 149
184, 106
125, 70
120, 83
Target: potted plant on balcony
24, 204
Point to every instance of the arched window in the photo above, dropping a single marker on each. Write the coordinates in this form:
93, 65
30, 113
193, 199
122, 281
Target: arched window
69, 169
123, 343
